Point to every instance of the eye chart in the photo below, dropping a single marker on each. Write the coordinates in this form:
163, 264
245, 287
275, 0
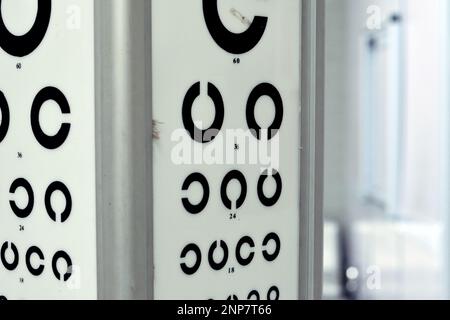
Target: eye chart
47, 150
226, 229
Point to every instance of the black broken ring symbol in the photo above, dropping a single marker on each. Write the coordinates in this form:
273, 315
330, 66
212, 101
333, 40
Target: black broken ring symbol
269, 202
34, 271
20, 46
265, 89
272, 237
46, 94
4, 111
9, 266
233, 175
218, 266
273, 290
198, 255
235, 43
196, 177
58, 186
245, 261
22, 183
208, 135
253, 294
61, 255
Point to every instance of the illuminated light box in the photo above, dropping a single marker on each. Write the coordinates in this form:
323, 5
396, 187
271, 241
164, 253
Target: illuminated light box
47, 146
226, 229
101, 104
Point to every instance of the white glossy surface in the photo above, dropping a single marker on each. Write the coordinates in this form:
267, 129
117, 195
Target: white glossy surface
184, 53
65, 60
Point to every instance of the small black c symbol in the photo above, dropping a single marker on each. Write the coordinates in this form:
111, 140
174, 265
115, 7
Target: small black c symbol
34, 271
196, 177
58, 186
61, 255
245, 261
22, 213
214, 265
269, 202
198, 254
233, 175
273, 290
13, 265
272, 237
253, 294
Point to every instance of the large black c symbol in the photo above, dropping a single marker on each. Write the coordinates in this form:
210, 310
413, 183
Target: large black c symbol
235, 43
203, 136
20, 46
261, 90
46, 94
4, 111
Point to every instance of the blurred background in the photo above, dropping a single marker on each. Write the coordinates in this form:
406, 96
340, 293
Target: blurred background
387, 149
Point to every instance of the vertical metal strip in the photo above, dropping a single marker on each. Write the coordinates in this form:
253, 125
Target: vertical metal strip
312, 135
98, 39
123, 143
149, 74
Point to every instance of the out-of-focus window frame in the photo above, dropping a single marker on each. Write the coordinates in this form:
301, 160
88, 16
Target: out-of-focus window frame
382, 174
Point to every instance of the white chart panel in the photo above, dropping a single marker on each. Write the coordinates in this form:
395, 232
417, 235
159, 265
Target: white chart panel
47, 150
224, 228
